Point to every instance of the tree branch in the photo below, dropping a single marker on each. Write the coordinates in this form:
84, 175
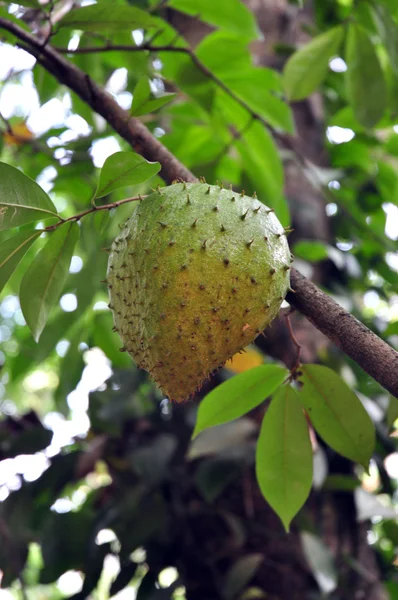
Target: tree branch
92, 210
129, 128
371, 353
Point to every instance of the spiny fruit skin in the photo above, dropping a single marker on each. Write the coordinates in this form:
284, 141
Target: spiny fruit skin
196, 273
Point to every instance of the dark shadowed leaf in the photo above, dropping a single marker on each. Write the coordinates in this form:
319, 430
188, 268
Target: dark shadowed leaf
307, 68
22, 200
232, 15
147, 589
44, 280
240, 575
92, 571
64, 542
108, 17
284, 455
125, 575
25, 435
365, 83
220, 439
11, 252
238, 396
214, 475
320, 561
337, 414
143, 101
388, 31
123, 169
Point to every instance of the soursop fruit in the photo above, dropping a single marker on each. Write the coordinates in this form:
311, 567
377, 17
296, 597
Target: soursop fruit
194, 276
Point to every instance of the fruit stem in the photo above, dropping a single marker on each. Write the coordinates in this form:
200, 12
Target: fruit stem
92, 210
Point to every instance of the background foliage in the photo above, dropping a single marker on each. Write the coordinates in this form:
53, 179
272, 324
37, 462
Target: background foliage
100, 484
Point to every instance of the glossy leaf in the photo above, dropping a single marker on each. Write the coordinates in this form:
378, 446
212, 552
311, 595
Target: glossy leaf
388, 31
238, 395
232, 15
108, 17
123, 169
284, 455
143, 102
226, 54
11, 252
263, 165
365, 83
44, 280
311, 250
337, 414
307, 68
250, 89
22, 200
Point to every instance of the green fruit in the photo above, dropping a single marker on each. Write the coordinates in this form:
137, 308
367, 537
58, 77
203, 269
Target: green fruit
195, 275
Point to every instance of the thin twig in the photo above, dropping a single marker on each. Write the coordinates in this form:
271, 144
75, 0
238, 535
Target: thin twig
94, 209
286, 141
297, 365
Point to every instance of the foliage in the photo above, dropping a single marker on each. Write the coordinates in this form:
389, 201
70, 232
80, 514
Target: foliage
228, 119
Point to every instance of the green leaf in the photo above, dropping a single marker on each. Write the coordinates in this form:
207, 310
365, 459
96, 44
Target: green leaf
388, 32
12, 251
143, 102
238, 395
42, 284
123, 169
22, 200
392, 411
311, 250
307, 68
342, 483
263, 165
365, 83
337, 414
226, 54
284, 456
240, 574
232, 15
248, 87
107, 17
391, 329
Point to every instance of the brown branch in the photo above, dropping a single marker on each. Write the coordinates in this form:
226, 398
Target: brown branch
178, 50
285, 140
129, 128
371, 353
